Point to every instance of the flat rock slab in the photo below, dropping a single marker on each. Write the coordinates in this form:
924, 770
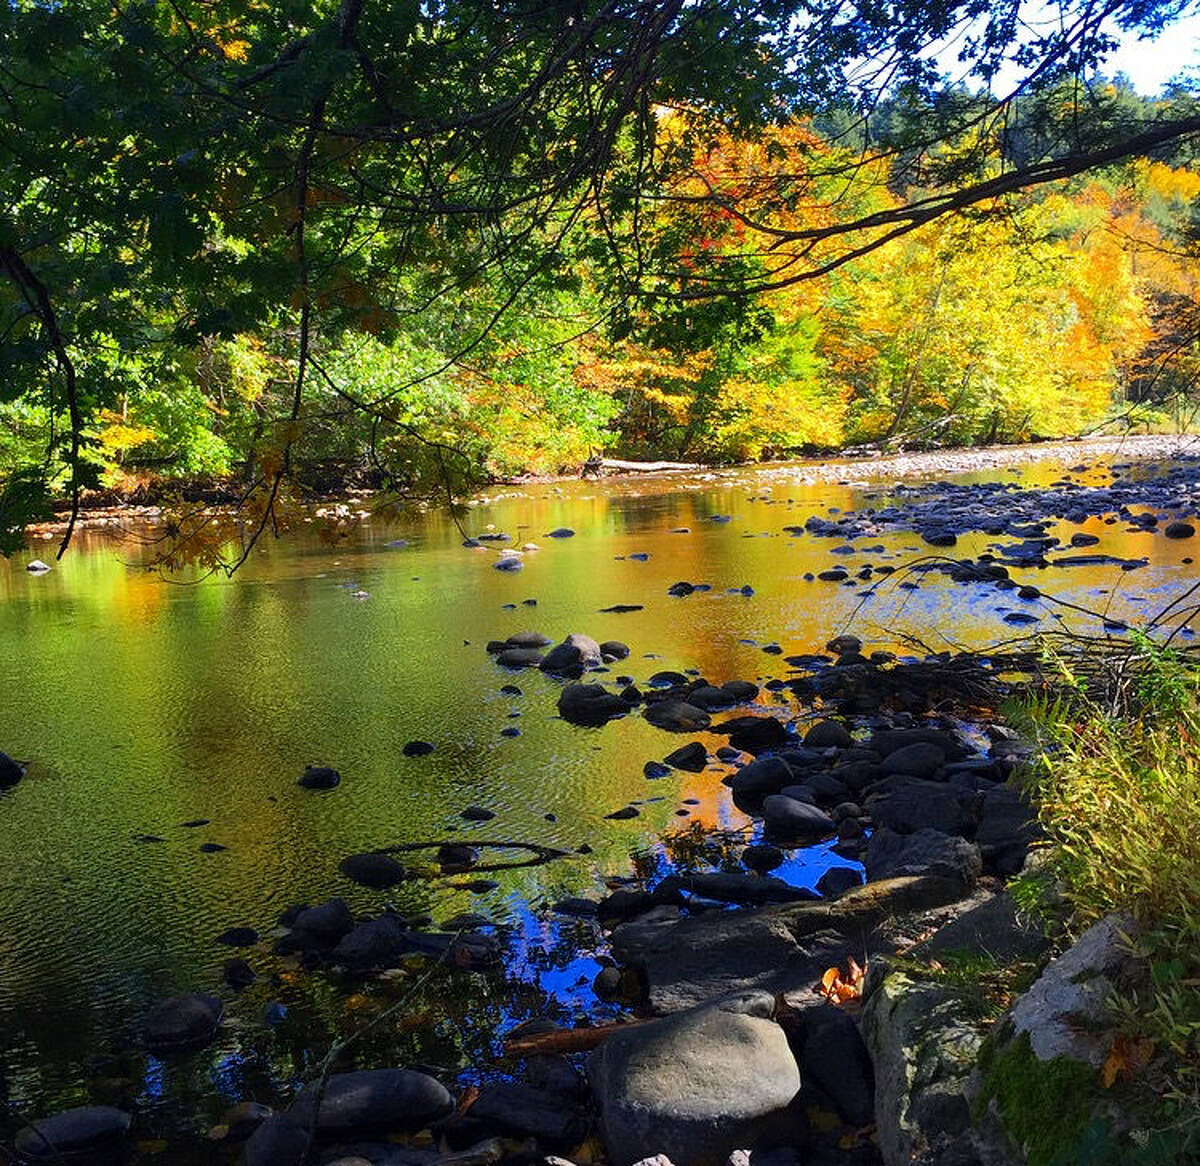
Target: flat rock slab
686, 962
698, 1085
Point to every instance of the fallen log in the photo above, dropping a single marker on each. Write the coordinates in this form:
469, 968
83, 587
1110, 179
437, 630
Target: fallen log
564, 1040
615, 465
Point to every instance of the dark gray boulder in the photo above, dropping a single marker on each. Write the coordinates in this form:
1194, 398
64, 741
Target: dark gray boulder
373, 1100
762, 857
788, 818
377, 943
182, 1022
677, 716
692, 757
614, 650
697, 1085
528, 640
762, 776
920, 759
277, 1142
741, 690
522, 1111
828, 734
1007, 827
907, 804
323, 925
372, 870
574, 655
319, 777
888, 741
927, 852
590, 705
11, 771
91, 1133
520, 658
754, 734
839, 879
834, 1057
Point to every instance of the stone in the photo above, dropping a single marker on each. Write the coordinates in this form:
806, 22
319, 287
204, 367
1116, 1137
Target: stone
754, 734
614, 650
508, 562
320, 777
781, 948
677, 716
574, 655
625, 813
792, 819
1007, 827
376, 943
372, 870
88, 1134
456, 856
590, 705
324, 924
476, 814
11, 771
742, 691
762, 776
838, 879
920, 759
561, 532
834, 1057
735, 887
762, 857
1179, 530
243, 1119
926, 852
697, 1085
828, 734
238, 974
924, 1041
417, 749
1063, 1013
519, 658
906, 804
692, 758
528, 640
277, 1142
37, 567
889, 741
994, 928
521, 1111
238, 937
373, 1100
190, 1021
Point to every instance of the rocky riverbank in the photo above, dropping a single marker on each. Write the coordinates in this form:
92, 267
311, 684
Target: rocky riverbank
763, 1024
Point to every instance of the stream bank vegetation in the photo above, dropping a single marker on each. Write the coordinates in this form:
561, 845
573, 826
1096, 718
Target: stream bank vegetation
414, 247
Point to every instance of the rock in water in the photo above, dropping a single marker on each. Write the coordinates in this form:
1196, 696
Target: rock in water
589, 704
182, 1022
37, 567
372, 870
574, 655
11, 771
676, 715
697, 1085
693, 757
91, 1134
384, 1100
320, 777
792, 819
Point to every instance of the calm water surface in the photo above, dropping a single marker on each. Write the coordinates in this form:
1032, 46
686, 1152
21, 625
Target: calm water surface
146, 703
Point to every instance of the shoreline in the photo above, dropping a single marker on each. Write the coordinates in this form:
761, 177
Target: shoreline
837, 468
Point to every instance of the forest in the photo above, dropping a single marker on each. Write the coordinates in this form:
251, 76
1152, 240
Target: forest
304, 247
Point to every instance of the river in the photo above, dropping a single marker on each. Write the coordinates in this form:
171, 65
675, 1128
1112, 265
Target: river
145, 703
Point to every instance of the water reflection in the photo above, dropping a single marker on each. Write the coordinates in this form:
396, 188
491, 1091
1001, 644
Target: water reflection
146, 704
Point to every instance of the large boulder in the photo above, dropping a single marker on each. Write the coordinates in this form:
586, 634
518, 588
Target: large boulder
886, 742
920, 759
762, 776
1007, 828
698, 1085
323, 925
92, 1134
834, 1058
182, 1022
754, 734
373, 1101
927, 852
907, 804
793, 819
377, 943
522, 1111
924, 1040
574, 655
372, 870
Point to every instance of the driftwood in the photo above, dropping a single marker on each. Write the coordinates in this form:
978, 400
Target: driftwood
564, 1040
615, 465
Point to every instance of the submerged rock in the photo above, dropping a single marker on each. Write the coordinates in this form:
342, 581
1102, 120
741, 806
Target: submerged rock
182, 1022
11, 771
372, 870
91, 1134
320, 777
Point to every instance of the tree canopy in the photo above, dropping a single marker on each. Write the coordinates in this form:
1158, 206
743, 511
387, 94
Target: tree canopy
294, 220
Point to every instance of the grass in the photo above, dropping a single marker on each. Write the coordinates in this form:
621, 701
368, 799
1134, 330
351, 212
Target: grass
1119, 798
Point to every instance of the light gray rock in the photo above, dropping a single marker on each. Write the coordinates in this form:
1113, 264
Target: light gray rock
574, 655
697, 1085
1064, 1012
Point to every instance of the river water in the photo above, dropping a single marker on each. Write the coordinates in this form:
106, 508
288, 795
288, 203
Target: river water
145, 703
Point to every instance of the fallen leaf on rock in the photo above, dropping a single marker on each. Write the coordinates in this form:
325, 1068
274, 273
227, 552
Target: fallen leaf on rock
1128, 1056
841, 989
